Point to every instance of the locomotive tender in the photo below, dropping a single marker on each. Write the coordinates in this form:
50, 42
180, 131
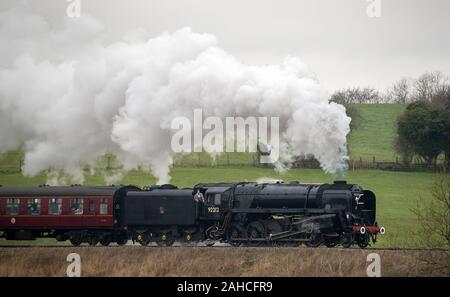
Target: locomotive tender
253, 214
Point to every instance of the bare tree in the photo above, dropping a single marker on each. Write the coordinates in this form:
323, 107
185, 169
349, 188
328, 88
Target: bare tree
441, 100
434, 215
357, 95
400, 92
429, 84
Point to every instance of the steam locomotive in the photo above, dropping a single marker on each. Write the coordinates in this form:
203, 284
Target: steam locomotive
251, 214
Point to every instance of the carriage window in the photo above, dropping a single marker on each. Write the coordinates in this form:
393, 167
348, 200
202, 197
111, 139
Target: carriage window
76, 206
104, 207
12, 206
91, 207
34, 206
217, 199
55, 206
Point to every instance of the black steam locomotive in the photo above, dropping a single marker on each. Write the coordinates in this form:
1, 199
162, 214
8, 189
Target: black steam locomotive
251, 214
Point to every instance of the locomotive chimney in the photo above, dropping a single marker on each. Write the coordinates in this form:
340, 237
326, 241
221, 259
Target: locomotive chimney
340, 182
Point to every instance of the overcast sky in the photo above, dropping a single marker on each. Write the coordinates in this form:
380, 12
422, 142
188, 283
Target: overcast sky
337, 39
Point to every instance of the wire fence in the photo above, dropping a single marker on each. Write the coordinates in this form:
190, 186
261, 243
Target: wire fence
13, 163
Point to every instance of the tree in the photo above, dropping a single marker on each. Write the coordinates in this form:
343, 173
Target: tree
434, 215
441, 99
357, 95
429, 84
419, 131
347, 98
400, 92
404, 148
442, 124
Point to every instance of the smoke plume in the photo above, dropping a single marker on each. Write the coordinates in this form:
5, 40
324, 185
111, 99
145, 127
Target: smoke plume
68, 97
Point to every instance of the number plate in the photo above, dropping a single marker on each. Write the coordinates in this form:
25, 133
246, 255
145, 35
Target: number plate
213, 209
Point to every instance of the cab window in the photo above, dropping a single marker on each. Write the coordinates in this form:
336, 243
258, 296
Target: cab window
55, 206
76, 206
12, 206
104, 207
34, 206
217, 199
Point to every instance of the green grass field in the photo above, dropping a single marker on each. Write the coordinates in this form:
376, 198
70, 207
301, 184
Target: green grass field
397, 192
375, 134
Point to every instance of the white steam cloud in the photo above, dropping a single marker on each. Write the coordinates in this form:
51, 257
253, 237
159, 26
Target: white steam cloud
67, 97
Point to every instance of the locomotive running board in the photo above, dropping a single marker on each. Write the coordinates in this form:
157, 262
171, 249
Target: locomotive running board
302, 211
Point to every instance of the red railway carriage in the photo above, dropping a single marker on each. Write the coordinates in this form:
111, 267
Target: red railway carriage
77, 213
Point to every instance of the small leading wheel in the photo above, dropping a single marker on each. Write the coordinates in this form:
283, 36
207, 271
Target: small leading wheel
363, 240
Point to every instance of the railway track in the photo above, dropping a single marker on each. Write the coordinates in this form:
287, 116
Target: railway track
219, 246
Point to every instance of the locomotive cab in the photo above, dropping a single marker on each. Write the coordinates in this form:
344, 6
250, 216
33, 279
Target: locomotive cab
217, 200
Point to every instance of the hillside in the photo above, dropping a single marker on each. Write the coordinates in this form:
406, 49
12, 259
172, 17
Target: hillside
374, 136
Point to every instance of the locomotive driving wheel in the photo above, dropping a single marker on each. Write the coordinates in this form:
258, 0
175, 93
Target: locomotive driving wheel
315, 240
273, 227
237, 232
330, 242
256, 231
